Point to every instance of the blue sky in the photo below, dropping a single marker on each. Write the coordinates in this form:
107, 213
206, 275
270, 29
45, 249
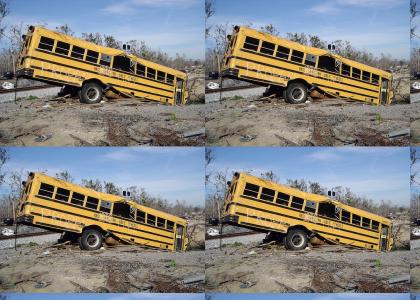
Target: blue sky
100, 296
174, 26
378, 26
379, 173
310, 296
170, 172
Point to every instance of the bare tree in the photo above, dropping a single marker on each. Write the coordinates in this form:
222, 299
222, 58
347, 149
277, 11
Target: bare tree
270, 175
413, 13
65, 29
209, 11
92, 184
64, 175
414, 157
270, 29
4, 11
209, 157
4, 157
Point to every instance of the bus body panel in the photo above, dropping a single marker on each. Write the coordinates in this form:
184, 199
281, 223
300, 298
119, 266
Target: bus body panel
64, 69
64, 216
269, 69
267, 206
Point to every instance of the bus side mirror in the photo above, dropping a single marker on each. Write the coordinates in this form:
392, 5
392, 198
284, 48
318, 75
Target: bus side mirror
331, 193
229, 183
23, 183
126, 193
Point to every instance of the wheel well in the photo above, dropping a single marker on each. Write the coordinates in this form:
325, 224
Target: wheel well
299, 80
301, 227
95, 81
96, 227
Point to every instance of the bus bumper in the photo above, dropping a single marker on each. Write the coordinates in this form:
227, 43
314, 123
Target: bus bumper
25, 219
230, 220
230, 73
25, 73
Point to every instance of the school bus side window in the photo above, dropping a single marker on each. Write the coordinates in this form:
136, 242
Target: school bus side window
355, 73
151, 219
121, 209
170, 225
105, 60
345, 70
310, 206
161, 222
328, 210
170, 79
327, 63
121, 63
46, 190
62, 48
283, 199
105, 206
366, 222
77, 199
251, 190
92, 56
62, 195
345, 216
267, 48
297, 203
251, 43
375, 78
356, 219
77, 52
92, 203
282, 52
151, 73
297, 56
365, 76
46, 43
310, 60
141, 70
375, 225
161, 76
141, 216
267, 194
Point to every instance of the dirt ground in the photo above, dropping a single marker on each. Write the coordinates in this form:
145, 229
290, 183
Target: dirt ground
124, 122
252, 268
331, 122
42, 122
123, 269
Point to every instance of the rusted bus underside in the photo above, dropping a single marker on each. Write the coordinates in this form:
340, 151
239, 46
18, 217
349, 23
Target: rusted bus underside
255, 66
50, 213
51, 66
264, 215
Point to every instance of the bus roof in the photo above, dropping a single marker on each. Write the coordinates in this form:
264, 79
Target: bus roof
312, 50
107, 50
314, 197
108, 197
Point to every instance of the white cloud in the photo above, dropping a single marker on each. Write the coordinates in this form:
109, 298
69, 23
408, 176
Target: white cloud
132, 6
337, 6
327, 8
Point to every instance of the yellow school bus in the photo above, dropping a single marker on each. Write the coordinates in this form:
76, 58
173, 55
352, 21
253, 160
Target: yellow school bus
296, 70
92, 216
297, 216
93, 70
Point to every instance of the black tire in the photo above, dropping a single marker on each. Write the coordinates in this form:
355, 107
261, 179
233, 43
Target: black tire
90, 93
91, 239
296, 239
296, 93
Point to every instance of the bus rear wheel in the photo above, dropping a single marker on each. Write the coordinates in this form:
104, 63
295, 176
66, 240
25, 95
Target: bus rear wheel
296, 93
91, 239
296, 239
90, 93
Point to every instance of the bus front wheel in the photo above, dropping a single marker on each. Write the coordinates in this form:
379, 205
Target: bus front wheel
296, 239
296, 93
91, 239
90, 93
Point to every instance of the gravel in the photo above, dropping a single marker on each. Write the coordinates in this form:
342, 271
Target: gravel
246, 239
244, 93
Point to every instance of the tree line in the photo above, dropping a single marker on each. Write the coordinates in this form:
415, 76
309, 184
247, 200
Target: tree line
12, 182
216, 183
217, 33
12, 35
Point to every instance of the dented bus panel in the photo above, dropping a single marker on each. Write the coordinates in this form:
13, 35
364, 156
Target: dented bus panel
93, 216
298, 216
92, 70
297, 71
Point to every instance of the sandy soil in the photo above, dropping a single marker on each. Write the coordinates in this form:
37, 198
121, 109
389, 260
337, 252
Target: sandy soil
120, 269
331, 122
252, 268
42, 122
